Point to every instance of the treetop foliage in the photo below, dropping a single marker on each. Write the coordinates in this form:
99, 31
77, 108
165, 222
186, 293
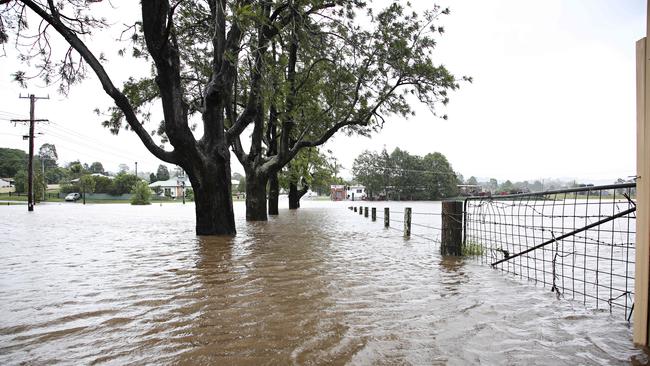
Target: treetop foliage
400, 175
304, 68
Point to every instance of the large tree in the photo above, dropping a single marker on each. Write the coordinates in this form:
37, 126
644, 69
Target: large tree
11, 162
48, 156
406, 176
96, 167
308, 170
370, 170
162, 173
231, 64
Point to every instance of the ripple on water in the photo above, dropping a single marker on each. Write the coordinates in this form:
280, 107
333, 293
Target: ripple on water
318, 286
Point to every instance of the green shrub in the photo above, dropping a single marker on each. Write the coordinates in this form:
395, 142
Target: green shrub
141, 194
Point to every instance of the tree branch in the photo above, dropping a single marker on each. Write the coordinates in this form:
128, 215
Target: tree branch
120, 99
163, 49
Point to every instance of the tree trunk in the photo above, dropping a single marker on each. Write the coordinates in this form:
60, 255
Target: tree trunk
256, 197
294, 200
296, 194
213, 199
274, 194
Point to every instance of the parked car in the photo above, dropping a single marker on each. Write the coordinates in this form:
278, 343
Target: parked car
71, 197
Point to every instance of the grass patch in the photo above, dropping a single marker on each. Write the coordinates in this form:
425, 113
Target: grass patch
472, 249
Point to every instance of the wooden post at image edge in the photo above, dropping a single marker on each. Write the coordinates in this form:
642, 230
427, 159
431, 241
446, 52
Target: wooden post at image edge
642, 259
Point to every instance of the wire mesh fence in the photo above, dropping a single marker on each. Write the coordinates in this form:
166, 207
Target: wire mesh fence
579, 242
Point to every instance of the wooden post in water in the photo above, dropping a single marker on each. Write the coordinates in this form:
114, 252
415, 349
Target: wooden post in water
407, 222
374, 214
642, 258
360, 210
386, 217
452, 228
365, 212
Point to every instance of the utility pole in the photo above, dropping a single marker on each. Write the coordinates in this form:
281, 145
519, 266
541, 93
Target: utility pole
30, 161
136, 168
43, 166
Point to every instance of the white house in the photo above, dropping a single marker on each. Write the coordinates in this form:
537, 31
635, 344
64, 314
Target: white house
5, 183
172, 187
356, 193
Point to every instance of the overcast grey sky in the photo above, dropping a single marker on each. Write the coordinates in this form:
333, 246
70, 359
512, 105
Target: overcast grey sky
553, 96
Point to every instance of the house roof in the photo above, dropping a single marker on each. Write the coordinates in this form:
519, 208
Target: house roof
171, 182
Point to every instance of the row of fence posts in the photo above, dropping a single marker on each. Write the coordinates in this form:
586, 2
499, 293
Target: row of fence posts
451, 239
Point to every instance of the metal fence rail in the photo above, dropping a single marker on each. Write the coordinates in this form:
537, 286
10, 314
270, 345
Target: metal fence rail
579, 242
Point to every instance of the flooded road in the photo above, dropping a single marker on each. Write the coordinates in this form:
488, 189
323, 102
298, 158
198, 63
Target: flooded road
120, 284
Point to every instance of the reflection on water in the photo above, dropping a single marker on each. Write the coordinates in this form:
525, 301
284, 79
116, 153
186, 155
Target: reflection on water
122, 284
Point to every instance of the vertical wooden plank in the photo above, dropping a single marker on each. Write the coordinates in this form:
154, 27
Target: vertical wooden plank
386, 217
365, 212
452, 228
407, 222
374, 214
642, 259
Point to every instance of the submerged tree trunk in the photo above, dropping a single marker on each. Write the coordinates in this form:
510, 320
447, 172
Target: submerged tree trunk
256, 197
213, 199
296, 194
274, 194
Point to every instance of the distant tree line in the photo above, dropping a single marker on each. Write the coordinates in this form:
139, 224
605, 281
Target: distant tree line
402, 176
72, 177
493, 186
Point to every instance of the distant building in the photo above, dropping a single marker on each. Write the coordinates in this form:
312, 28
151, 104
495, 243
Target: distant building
172, 187
356, 193
471, 190
6, 182
337, 192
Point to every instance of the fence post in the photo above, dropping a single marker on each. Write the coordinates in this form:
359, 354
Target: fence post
374, 214
642, 268
355, 209
407, 222
360, 210
452, 228
386, 217
365, 212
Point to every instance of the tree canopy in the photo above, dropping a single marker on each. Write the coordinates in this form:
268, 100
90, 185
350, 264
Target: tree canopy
296, 72
11, 162
400, 175
162, 173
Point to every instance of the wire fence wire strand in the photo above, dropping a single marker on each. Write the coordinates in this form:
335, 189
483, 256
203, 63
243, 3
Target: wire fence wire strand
435, 238
579, 242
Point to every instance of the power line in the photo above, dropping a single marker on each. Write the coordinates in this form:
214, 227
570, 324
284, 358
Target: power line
93, 139
89, 143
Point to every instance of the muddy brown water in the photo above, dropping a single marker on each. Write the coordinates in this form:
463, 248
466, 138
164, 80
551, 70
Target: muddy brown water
118, 284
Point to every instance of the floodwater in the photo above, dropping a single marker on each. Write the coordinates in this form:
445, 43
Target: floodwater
120, 284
